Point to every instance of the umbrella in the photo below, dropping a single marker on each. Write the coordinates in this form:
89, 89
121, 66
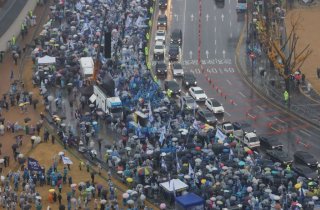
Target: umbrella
52, 190
20, 155
241, 163
27, 119
73, 185
129, 180
203, 181
82, 183
38, 197
125, 195
61, 153
73, 200
14, 146
103, 201
130, 202
298, 186
142, 197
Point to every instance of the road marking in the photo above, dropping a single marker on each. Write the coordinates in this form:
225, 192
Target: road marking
305, 132
224, 53
215, 29
215, 42
207, 53
259, 107
228, 81
230, 23
192, 17
229, 2
242, 94
207, 17
279, 119
235, 103
190, 54
227, 113
222, 17
231, 35
215, 18
275, 129
176, 16
215, 52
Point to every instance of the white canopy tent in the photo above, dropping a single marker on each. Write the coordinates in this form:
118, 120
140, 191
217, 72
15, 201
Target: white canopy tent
87, 66
46, 60
174, 184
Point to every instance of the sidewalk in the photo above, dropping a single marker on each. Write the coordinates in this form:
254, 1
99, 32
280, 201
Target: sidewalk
272, 86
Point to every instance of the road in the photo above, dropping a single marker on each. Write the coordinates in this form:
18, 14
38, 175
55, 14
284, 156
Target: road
220, 29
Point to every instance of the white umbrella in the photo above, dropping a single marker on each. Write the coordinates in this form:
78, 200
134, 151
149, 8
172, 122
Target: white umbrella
38, 197
198, 160
142, 197
103, 201
33, 137
73, 185
130, 202
128, 148
125, 195
61, 153
20, 155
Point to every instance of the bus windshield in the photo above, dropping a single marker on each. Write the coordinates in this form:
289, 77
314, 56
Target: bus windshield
242, 1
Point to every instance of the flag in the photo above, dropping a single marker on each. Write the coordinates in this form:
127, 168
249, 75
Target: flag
191, 172
33, 165
178, 164
219, 135
169, 178
138, 130
195, 125
163, 164
162, 137
150, 113
66, 160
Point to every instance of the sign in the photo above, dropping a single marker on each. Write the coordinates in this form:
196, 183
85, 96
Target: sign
66, 160
33, 165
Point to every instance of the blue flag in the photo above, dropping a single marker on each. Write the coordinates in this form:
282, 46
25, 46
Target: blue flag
33, 165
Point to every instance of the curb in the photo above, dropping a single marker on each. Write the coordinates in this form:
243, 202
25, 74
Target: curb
258, 92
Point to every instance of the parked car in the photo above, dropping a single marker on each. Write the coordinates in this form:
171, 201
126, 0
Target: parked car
279, 156
197, 93
214, 106
251, 140
173, 86
189, 80
188, 103
163, 4
161, 68
177, 70
162, 22
270, 143
174, 52
305, 171
306, 158
206, 116
176, 37
161, 36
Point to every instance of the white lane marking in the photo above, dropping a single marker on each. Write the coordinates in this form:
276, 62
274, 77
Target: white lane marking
242, 94
305, 132
224, 53
215, 52
228, 81
279, 119
222, 17
192, 17
275, 129
215, 42
259, 107
215, 29
235, 103
227, 113
215, 18
231, 35
230, 23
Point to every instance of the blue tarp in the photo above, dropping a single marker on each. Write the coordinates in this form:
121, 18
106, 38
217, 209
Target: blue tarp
189, 200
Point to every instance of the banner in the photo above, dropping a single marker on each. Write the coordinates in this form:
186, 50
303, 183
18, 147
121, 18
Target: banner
220, 135
33, 165
66, 160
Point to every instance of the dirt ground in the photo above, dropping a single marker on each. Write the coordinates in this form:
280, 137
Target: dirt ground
308, 32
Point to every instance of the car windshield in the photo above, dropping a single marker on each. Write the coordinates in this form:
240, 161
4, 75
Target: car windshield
208, 114
189, 77
173, 84
160, 33
189, 100
199, 92
116, 110
253, 139
215, 103
162, 19
177, 66
161, 65
175, 34
160, 47
228, 127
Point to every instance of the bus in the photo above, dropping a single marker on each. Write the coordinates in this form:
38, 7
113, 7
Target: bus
241, 5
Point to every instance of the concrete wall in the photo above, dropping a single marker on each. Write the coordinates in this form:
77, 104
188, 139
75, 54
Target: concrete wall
15, 27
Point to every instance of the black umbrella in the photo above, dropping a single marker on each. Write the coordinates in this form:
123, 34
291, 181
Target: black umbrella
35, 101
14, 146
27, 119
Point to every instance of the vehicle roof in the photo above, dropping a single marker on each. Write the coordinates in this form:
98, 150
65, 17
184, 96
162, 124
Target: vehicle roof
187, 97
171, 81
175, 65
176, 31
189, 75
158, 42
161, 31
251, 135
197, 88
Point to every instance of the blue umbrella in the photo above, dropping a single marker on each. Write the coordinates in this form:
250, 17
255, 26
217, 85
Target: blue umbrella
241, 163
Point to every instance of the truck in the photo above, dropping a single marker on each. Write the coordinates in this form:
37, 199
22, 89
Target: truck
250, 139
226, 127
111, 105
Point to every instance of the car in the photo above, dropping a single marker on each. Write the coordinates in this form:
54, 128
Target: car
302, 170
163, 4
198, 94
177, 70
173, 86
270, 143
159, 49
214, 106
188, 103
206, 116
305, 158
279, 156
226, 128
174, 51
251, 140
161, 35
176, 37
162, 22
161, 68
189, 80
